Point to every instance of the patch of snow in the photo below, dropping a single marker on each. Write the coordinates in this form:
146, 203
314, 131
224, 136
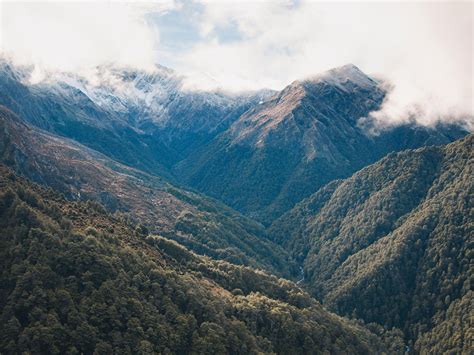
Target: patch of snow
341, 76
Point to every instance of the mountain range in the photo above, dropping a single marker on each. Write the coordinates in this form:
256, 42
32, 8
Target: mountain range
260, 153
226, 218
146, 120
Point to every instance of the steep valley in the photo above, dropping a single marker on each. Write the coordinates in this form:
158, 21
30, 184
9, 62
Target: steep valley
393, 244
202, 224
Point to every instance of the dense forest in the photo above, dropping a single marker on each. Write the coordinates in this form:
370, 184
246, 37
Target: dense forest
393, 245
78, 280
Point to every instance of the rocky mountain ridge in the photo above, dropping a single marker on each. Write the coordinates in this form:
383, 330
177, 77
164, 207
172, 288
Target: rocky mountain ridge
287, 147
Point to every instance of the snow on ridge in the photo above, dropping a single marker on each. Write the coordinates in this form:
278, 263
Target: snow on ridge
340, 76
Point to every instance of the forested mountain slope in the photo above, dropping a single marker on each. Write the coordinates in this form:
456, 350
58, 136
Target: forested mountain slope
287, 147
202, 224
77, 280
393, 244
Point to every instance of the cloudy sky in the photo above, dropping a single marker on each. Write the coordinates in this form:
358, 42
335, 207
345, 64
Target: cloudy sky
424, 49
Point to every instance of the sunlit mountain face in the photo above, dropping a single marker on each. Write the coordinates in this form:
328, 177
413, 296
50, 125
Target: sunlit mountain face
298, 140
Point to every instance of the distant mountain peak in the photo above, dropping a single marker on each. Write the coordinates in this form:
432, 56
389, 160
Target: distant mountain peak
344, 70
342, 76
349, 67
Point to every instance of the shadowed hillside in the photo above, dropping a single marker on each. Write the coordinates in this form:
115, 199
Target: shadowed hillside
393, 244
203, 225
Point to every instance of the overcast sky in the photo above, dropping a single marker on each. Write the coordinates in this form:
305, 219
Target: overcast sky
425, 49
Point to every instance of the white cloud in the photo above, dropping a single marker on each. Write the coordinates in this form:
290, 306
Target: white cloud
75, 36
424, 49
